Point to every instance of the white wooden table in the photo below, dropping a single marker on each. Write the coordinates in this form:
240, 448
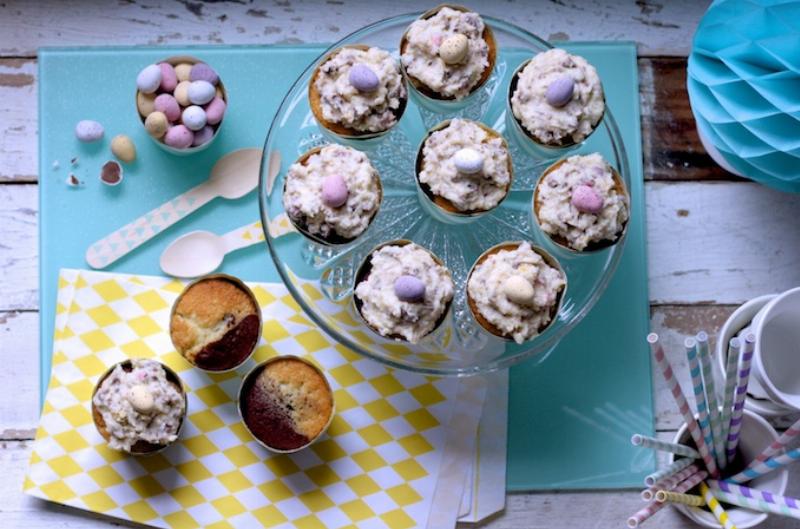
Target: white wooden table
714, 240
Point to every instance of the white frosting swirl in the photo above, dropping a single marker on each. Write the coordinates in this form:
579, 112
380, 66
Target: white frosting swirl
381, 307
374, 111
550, 125
125, 425
302, 196
558, 216
479, 191
421, 55
486, 290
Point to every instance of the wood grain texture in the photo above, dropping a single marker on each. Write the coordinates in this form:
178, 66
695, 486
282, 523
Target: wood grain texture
19, 262
658, 27
18, 120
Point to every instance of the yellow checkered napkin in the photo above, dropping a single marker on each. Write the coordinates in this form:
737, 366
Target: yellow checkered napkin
379, 465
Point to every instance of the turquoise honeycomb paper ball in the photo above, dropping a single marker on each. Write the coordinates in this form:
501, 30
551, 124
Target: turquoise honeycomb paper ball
744, 87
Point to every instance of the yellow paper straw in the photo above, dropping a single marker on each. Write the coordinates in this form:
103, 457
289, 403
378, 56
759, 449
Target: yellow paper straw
653, 507
669, 482
679, 497
716, 508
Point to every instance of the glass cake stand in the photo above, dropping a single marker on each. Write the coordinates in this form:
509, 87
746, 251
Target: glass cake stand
320, 277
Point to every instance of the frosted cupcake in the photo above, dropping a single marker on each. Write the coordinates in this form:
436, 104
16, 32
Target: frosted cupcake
286, 403
139, 406
448, 53
514, 290
464, 167
332, 193
403, 291
357, 92
556, 98
581, 202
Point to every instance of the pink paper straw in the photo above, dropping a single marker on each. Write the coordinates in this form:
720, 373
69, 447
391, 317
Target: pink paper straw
741, 393
652, 508
699, 393
779, 445
669, 482
683, 405
765, 467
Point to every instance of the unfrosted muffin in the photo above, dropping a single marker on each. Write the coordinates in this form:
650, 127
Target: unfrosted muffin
557, 98
332, 193
357, 91
216, 323
514, 290
448, 53
465, 167
286, 403
403, 291
139, 406
582, 203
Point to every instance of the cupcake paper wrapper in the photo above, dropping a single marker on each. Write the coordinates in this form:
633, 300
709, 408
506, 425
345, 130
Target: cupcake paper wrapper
398, 445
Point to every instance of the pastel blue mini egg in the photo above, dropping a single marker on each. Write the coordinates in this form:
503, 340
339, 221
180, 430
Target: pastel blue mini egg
468, 161
409, 288
149, 79
363, 78
194, 117
560, 91
201, 92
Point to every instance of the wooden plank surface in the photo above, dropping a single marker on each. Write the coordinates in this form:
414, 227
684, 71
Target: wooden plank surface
658, 27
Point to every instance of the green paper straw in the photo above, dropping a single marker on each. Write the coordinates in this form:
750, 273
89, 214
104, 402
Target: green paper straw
670, 482
758, 500
664, 446
680, 497
711, 396
675, 467
732, 364
699, 395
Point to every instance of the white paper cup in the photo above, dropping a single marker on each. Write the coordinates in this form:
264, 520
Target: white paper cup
776, 359
756, 433
741, 318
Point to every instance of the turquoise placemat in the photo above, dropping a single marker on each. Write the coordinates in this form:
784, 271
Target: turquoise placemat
570, 416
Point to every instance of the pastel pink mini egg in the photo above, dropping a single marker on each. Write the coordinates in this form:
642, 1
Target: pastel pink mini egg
203, 136
169, 80
334, 191
169, 106
587, 200
215, 110
179, 137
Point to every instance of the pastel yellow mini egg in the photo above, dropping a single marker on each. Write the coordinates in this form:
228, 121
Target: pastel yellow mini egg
145, 103
141, 398
454, 49
182, 93
123, 148
156, 124
182, 71
518, 290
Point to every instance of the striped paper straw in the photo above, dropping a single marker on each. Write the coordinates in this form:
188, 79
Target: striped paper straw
716, 508
711, 396
732, 364
741, 393
758, 500
669, 482
646, 512
673, 448
683, 405
778, 445
765, 467
673, 468
679, 497
699, 393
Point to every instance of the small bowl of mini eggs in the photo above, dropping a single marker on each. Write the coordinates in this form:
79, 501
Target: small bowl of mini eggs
182, 102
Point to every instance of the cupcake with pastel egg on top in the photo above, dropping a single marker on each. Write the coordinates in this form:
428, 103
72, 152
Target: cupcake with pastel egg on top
464, 167
448, 53
581, 203
514, 290
332, 194
403, 291
556, 99
357, 91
